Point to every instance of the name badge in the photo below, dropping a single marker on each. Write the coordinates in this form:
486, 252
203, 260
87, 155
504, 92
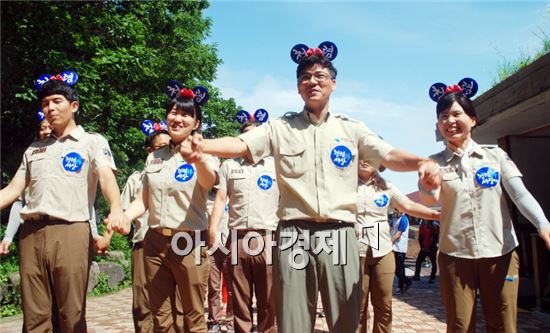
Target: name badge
381, 200
341, 156
265, 182
72, 162
487, 176
184, 173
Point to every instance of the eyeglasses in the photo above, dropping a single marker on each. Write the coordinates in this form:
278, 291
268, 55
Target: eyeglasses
318, 76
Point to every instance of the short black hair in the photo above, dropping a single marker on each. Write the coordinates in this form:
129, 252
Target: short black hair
187, 105
306, 62
466, 103
150, 139
56, 87
247, 124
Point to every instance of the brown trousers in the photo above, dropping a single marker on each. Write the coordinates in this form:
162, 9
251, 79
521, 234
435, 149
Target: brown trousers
378, 283
165, 271
251, 276
497, 281
219, 263
54, 262
141, 311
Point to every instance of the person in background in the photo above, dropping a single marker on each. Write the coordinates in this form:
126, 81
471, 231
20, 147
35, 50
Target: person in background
399, 232
428, 238
374, 199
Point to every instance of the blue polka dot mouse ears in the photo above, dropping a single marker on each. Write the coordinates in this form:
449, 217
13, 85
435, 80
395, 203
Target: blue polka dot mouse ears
326, 49
149, 126
467, 86
69, 77
41, 116
261, 116
175, 88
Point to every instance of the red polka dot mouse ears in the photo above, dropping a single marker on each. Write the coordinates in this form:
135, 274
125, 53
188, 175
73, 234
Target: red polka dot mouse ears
199, 94
467, 86
149, 126
69, 77
261, 116
326, 49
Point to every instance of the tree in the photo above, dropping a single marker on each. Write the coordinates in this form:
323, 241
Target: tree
124, 53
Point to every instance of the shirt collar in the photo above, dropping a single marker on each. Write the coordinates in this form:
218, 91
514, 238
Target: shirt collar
449, 154
308, 118
76, 133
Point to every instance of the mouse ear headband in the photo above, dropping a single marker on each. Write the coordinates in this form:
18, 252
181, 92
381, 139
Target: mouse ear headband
326, 49
68, 77
261, 116
199, 94
466, 86
149, 126
41, 116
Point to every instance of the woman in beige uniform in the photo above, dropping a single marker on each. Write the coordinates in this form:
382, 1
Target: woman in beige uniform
375, 196
477, 238
175, 193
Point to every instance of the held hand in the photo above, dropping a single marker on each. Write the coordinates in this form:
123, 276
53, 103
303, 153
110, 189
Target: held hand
544, 233
101, 244
191, 148
429, 175
5, 247
118, 222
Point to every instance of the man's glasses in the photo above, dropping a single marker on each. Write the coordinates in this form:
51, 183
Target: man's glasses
318, 76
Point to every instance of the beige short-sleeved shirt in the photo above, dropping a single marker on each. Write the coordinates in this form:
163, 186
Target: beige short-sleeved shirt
253, 193
316, 165
61, 175
373, 204
475, 222
175, 198
129, 194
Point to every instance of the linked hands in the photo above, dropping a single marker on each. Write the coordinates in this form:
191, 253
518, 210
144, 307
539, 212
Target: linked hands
121, 223
191, 148
5, 247
429, 175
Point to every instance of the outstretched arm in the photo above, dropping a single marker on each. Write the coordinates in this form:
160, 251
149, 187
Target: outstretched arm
528, 206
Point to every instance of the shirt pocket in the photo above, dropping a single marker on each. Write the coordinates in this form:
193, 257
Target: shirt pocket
152, 174
292, 160
40, 166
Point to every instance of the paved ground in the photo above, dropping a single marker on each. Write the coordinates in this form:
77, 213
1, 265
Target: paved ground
418, 310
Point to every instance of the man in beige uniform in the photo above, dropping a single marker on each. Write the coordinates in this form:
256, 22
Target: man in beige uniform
253, 203
316, 155
62, 173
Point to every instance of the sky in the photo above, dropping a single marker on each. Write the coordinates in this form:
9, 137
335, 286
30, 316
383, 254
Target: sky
389, 54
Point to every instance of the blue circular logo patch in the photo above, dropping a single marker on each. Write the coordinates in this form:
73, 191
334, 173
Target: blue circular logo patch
265, 182
73, 162
341, 156
487, 176
184, 173
381, 200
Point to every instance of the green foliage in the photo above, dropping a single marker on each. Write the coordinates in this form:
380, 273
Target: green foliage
124, 52
102, 286
507, 67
